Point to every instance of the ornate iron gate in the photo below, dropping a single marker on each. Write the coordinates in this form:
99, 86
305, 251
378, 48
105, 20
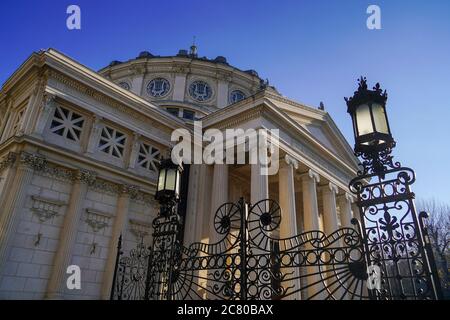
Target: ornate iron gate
395, 237
249, 261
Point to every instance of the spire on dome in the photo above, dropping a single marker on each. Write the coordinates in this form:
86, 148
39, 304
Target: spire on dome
193, 51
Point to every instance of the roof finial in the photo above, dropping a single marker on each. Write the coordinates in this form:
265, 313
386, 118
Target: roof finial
193, 51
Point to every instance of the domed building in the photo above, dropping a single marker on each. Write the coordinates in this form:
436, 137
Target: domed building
78, 163
184, 85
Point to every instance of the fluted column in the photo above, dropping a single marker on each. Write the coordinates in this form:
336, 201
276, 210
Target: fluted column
288, 227
355, 211
259, 189
329, 192
345, 207
57, 283
310, 205
310, 180
329, 208
120, 221
219, 195
192, 214
13, 198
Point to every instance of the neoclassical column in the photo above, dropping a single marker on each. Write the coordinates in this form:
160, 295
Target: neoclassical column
47, 109
355, 211
56, 284
259, 189
13, 198
219, 196
204, 202
288, 227
134, 150
310, 180
330, 218
120, 221
310, 205
32, 108
345, 208
94, 134
192, 214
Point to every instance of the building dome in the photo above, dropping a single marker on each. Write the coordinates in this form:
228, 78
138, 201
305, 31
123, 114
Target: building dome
185, 85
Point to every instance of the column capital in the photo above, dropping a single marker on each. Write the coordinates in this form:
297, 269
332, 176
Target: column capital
310, 174
128, 190
85, 176
347, 197
136, 136
330, 187
289, 160
34, 161
48, 98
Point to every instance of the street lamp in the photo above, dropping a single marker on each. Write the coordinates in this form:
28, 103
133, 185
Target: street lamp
168, 189
392, 229
373, 137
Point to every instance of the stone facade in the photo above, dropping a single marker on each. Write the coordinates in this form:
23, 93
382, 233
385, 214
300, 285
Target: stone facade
78, 151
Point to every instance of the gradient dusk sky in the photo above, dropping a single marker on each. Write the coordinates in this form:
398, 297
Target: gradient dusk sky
311, 51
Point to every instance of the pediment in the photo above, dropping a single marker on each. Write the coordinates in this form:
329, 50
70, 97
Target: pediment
319, 124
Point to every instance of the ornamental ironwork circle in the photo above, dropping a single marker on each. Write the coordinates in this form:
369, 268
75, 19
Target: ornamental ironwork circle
200, 91
236, 95
227, 217
268, 213
158, 87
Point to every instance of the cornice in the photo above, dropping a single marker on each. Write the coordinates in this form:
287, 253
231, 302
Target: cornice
42, 166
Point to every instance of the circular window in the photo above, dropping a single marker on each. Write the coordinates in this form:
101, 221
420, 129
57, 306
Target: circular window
236, 95
200, 91
124, 85
158, 87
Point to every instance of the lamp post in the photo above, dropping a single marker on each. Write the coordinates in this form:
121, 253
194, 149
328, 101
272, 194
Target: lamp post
168, 188
395, 236
373, 138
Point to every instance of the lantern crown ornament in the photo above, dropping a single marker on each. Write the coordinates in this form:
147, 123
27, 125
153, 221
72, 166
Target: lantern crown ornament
373, 138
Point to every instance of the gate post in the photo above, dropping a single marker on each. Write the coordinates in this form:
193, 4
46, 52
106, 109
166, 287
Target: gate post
119, 253
243, 248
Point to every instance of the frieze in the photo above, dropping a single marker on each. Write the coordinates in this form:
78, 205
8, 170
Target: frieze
99, 96
66, 84
105, 186
8, 161
130, 190
86, 176
42, 167
34, 161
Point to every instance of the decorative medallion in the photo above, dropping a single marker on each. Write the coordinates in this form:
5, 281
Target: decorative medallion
158, 87
200, 91
236, 95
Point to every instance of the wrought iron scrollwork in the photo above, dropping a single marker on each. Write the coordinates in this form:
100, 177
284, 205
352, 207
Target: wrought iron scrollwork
394, 236
247, 262
250, 261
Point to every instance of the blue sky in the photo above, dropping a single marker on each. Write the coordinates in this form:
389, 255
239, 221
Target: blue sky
311, 51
